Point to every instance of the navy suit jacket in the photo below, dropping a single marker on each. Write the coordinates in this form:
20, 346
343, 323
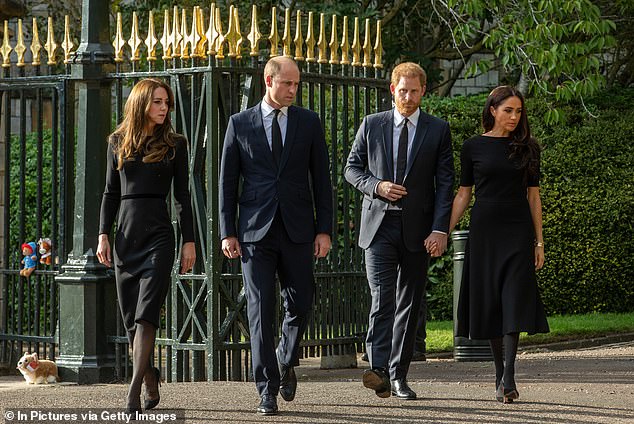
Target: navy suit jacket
428, 179
300, 188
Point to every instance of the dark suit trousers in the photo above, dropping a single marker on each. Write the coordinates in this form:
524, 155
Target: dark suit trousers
397, 279
294, 265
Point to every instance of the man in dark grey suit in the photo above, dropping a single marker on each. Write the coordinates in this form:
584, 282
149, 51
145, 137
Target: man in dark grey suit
284, 219
402, 162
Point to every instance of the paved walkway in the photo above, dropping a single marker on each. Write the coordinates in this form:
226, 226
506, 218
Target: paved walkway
592, 385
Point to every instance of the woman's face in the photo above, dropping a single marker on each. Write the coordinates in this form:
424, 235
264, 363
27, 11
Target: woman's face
159, 108
507, 115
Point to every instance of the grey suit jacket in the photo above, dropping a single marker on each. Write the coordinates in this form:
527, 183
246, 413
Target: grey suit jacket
428, 178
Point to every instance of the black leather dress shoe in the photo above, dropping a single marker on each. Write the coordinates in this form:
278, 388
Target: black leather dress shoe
377, 380
268, 405
288, 383
401, 390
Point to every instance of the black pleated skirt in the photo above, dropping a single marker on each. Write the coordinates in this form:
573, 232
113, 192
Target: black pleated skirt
499, 293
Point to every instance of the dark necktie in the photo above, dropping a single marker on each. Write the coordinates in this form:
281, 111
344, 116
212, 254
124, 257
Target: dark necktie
401, 159
276, 139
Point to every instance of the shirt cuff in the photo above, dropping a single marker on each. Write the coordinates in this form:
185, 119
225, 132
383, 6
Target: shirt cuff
439, 232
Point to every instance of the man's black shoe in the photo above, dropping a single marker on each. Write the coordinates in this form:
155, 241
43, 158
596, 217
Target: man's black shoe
268, 405
377, 380
418, 356
401, 390
288, 379
288, 383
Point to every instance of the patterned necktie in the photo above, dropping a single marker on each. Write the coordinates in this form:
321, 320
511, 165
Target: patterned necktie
276, 139
401, 159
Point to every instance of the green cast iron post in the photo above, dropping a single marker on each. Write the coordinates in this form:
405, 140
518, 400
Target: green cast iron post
87, 296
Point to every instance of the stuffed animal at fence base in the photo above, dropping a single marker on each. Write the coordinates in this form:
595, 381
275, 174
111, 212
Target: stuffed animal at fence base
45, 246
36, 371
30, 258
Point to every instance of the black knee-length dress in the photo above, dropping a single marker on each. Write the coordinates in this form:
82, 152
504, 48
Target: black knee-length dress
144, 244
499, 293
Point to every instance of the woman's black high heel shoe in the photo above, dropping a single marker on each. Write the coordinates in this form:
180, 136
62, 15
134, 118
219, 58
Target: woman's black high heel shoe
510, 395
151, 403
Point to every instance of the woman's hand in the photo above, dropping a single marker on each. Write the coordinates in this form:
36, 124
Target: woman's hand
188, 257
103, 250
540, 256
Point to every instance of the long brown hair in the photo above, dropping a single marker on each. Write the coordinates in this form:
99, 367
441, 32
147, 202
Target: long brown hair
129, 139
524, 149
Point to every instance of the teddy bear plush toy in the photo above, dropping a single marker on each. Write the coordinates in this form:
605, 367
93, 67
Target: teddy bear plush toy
45, 246
30, 258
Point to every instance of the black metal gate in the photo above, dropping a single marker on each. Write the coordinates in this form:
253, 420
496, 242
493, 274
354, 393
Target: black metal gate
204, 332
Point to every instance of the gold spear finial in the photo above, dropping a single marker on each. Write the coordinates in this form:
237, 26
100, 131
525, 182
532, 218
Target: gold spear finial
20, 48
274, 37
118, 42
200, 50
211, 31
220, 39
310, 40
186, 37
378, 47
166, 38
175, 36
286, 40
345, 44
36, 46
135, 40
51, 45
6, 47
322, 39
299, 39
233, 36
334, 43
151, 41
367, 47
356, 44
254, 35
67, 45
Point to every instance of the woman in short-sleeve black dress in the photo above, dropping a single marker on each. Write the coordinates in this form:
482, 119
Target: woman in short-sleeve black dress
499, 296
145, 157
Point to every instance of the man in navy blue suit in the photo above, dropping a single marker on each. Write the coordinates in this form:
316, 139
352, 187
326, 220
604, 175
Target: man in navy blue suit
402, 162
284, 218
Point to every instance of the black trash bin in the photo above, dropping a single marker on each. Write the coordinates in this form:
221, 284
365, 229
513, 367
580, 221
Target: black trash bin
464, 349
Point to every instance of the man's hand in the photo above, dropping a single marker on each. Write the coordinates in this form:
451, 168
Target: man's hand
231, 247
436, 244
390, 191
322, 245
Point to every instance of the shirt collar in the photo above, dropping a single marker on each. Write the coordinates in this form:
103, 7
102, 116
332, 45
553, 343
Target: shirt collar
267, 109
413, 118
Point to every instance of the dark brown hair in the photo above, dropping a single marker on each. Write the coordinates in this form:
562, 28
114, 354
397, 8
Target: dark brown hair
524, 148
129, 139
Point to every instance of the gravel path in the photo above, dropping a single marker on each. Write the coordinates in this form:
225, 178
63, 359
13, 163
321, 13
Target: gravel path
593, 385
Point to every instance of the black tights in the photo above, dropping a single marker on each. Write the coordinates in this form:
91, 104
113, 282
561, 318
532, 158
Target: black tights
142, 342
504, 350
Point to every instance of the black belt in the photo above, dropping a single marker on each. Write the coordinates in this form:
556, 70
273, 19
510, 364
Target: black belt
143, 196
394, 212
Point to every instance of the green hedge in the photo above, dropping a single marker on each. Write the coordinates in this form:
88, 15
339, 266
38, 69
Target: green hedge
588, 202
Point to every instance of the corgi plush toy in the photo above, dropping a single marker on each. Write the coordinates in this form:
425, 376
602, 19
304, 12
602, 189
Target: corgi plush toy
37, 371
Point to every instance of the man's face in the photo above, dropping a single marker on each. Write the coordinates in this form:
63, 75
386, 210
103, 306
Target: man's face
407, 94
282, 88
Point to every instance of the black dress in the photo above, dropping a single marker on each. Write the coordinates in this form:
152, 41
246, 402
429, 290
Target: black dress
498, 294
144, 243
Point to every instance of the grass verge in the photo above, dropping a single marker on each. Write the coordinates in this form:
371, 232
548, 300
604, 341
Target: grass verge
562, 328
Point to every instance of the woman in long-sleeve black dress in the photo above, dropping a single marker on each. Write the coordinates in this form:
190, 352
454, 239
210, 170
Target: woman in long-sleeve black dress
498, 295
145, 157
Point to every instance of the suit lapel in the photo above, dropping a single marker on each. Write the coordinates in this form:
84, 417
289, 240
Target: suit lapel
388, 131
291, 129
260, 134
419, 138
